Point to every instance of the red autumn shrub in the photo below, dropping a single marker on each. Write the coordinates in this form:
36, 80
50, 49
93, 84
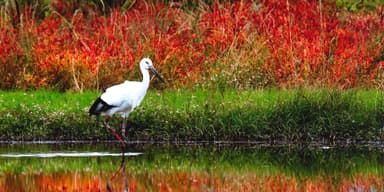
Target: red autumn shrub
239, 44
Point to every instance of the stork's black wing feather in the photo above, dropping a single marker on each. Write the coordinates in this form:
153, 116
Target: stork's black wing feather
99, 106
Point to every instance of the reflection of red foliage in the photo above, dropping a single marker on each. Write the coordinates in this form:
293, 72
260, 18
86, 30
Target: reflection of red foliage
307, 43
182, 181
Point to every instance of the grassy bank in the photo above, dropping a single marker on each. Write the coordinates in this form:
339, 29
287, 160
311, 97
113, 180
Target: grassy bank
269, 115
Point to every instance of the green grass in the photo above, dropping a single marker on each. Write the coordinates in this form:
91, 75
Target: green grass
301, 115
47, 100
357, 5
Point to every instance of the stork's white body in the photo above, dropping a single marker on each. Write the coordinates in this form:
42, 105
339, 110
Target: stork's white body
124, 97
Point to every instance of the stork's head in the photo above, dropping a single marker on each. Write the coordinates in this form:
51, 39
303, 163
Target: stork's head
147, 64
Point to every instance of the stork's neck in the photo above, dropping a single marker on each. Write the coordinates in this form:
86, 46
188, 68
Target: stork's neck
146, 79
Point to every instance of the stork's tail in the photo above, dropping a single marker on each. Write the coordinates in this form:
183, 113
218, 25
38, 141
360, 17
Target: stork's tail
99, 106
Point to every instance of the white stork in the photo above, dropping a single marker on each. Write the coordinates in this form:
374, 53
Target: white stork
124, 97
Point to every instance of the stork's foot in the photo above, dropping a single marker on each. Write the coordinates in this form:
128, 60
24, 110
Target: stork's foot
126, 139
123, 130
123, 134
106, 125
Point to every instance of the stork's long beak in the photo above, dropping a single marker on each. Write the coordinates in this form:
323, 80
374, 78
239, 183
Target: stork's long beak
157, 74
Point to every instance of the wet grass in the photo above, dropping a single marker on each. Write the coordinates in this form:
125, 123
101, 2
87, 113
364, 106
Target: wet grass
300, 115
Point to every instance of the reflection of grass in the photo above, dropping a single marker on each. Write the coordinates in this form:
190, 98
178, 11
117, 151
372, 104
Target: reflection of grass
289, 115
298, 162
203, 168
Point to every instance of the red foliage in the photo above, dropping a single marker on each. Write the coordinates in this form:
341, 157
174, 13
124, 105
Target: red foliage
308, 44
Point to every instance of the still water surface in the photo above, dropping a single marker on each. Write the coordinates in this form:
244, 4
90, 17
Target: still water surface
149, 167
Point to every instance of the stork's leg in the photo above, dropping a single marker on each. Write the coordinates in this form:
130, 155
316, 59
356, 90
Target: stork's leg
122, 165
123, 128
113, 131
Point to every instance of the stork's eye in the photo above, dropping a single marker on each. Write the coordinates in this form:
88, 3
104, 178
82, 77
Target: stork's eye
147, 62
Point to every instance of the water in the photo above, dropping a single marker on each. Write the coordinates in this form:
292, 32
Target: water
68, 154
204, 167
